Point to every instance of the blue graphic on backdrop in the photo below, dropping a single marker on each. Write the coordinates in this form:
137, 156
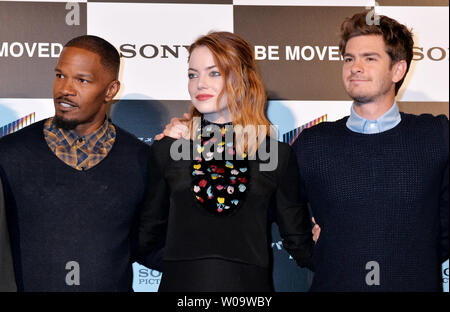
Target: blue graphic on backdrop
445, 276
145, 279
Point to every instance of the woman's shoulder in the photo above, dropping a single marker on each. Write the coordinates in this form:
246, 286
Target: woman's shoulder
274, 155
169, 149
160, 150
164, 144
271, 145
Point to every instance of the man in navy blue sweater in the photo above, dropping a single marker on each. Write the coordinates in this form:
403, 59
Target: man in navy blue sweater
74, 183
377, 181
7, 280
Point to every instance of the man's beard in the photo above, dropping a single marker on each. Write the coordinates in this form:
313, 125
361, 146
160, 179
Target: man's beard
362, 99
370, 96
65, 124
359, 97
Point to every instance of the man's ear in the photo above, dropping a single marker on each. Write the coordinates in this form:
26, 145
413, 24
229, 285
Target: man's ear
399, 71
111, 91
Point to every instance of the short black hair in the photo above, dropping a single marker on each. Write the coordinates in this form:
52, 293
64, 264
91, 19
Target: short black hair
109, 56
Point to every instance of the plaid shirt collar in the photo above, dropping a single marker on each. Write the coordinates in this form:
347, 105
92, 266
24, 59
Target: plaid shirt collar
80, 152
70, 138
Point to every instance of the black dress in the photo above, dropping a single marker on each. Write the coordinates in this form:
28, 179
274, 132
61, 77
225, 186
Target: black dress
214, 275
214, 216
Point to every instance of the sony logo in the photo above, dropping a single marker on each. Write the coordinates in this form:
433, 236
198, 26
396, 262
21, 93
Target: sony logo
151, 51
433, 53
144, 272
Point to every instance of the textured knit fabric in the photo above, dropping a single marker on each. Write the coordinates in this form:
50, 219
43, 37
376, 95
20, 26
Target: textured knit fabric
378, 197
7, 279
58, 215
80, 152
194, 233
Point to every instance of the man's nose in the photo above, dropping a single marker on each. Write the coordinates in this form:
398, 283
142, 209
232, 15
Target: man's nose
357, 67
67, 87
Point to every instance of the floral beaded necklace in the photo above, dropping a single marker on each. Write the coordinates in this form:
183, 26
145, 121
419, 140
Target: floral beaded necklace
219, 178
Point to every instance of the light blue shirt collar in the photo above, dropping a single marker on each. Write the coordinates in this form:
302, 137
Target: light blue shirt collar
385, 122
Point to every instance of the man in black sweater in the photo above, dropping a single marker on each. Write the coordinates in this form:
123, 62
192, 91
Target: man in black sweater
377, 181
7, 280
74, 183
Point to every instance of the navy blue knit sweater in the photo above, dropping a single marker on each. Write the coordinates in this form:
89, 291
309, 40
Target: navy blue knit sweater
378, 197
57, 214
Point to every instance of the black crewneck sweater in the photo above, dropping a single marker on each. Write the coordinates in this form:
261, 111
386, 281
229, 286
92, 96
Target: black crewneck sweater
378, 197
57, 214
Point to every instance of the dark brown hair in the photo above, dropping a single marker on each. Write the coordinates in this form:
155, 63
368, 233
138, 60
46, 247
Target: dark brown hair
397, 37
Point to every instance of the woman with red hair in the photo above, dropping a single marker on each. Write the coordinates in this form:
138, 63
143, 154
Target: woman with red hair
212, 205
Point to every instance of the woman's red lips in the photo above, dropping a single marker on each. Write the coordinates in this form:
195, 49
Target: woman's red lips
203, 97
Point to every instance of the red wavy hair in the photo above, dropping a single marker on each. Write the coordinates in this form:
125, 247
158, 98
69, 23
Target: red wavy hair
246, 95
